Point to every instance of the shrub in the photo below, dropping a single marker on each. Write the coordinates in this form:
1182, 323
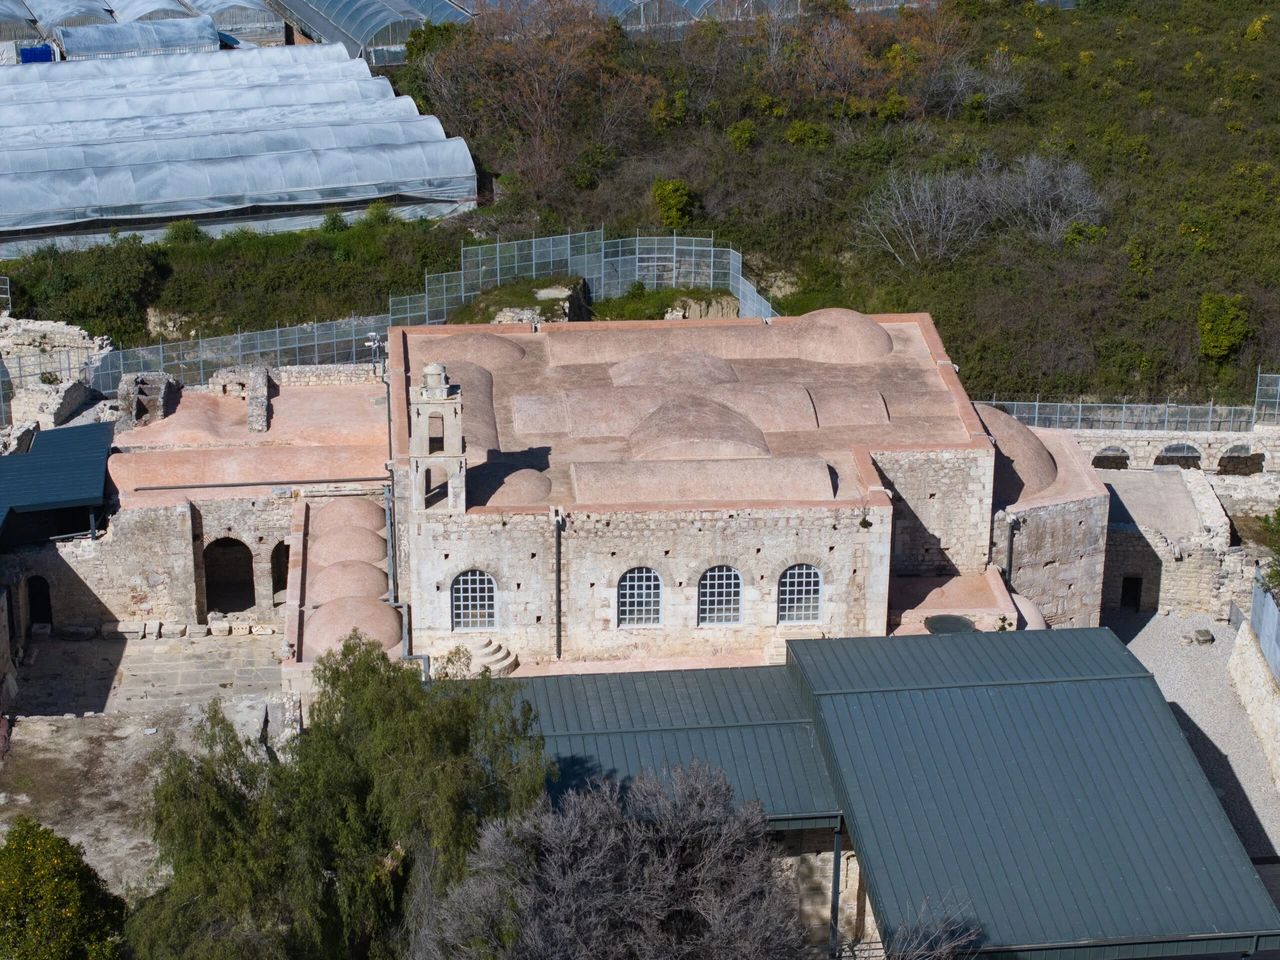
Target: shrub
184, 231
742, 135
49, 378
53, 905
378, 214
674, 201
808, 136
334, 222
1224, 326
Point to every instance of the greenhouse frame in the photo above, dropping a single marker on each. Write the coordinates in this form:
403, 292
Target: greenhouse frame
129, 148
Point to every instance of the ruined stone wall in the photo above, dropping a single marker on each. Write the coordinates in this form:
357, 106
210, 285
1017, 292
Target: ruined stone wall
323, 374
518, 551
50, 405
941, 507
1143, 446
1059, 553
809, 856
1258, 495
260, 524
1258, 691
143, 568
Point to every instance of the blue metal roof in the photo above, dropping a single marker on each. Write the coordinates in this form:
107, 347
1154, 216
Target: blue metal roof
1038, 778
66, 467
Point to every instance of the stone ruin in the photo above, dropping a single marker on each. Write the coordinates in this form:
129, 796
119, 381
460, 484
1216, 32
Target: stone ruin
250, 383
145, 398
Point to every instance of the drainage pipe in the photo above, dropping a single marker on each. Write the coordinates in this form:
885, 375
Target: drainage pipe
833, 946
558, 521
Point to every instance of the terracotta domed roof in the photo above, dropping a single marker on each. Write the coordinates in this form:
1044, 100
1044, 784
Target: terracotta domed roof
522, 488
840, 336
326, 628
690, 368
483, 349
351, 543
346, 578
696, 429
1023, 466
346, 513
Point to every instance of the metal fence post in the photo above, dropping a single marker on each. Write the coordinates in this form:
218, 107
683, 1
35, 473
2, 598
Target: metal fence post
1210, 427
1080, 412
1124, 404
200, 347
1167, 401
1036, 418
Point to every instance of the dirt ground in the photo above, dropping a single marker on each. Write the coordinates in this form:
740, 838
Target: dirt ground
87, 778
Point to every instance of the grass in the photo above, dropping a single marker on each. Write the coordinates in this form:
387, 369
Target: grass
519, 293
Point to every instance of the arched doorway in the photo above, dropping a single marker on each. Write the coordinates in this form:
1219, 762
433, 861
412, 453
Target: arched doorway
228, 576
1182, 455
39, 605
279, 572
1111, 458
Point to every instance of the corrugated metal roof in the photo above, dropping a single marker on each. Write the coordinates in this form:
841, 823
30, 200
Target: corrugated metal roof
748, 722
66, 467
1039, 777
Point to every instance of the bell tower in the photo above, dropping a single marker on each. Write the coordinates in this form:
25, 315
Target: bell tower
436, 446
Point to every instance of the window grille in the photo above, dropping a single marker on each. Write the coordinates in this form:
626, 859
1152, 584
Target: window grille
472, 599
800, 594
720, 596
639, 598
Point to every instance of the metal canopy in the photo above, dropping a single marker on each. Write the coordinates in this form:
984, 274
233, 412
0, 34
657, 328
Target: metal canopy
64, 468
1040, 779
1037, 778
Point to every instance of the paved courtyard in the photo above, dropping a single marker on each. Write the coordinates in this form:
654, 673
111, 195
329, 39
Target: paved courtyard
1194, 680
108, 676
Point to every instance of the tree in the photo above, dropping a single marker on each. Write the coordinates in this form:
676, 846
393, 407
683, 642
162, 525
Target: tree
307, 854
53, 905
667, 868
1224, 326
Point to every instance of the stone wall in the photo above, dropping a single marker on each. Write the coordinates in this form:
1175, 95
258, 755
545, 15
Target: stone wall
941, 509
1059, 554
260, 524
1258, 495
1259, 693
1143, 446
50, 405
315, 375
518, 551
809, 856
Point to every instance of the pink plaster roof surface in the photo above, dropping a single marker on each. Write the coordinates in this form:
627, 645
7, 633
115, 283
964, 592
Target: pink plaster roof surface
697, 411
316, 434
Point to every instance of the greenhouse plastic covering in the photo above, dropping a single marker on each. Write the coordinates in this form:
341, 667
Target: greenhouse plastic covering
244, 19
16, 21
140, 159
137, 39
126, 11
167, 65
245, 8
58, 13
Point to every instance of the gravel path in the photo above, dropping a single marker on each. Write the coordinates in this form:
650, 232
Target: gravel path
1194, 680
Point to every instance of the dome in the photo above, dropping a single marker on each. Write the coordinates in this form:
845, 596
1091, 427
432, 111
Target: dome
691, 368
696, 429
347, 513
1023, 466
840, 336
483, 349
346, 578
522, 488
352, 543
326, 628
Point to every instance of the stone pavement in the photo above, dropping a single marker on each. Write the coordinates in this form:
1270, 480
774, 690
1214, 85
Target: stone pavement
130, 676
1195, 681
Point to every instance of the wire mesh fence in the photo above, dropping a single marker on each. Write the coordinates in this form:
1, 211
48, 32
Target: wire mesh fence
5, 302
609, 268
1182, 418
1266, 398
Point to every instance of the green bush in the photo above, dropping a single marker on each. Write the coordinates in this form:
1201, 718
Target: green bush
53, 905
808, 136
184, 231
1224, 326
674, 201
334, 222
742, 135
377, 215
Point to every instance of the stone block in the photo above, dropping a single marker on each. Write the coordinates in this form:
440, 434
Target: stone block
195, 630
220, 628
1203, 636
76, 631
240, 629
153, 628
41, 631
263, 630
171, 630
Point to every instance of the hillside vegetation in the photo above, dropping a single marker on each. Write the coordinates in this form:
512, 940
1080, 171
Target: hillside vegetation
1087, 201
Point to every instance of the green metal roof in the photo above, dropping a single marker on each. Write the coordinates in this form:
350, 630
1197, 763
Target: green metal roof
1048, 786
66, 467
750, 723
1037, 777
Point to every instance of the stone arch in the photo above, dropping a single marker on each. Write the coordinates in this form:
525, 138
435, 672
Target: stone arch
720, 589
1111, 458
640, 597
799, 594
1240, 460
1182, 455
279, 571
228, 576
39, 601
473, 601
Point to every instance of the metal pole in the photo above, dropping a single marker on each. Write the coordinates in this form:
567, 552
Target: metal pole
833, 946
1036, 419
1124, 404
200, 347
1210, 428
1167, 401
558, 519
1080, 411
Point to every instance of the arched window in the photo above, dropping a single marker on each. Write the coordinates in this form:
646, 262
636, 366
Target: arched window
228, 576
639, 598
472, 600
1179, 455
1111, 458
800, 594
720, 596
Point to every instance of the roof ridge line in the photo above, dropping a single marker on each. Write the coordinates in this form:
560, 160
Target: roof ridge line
707, 726
985, 683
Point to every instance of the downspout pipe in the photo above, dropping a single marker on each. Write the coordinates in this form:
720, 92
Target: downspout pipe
558, 521
388, 507
833, 946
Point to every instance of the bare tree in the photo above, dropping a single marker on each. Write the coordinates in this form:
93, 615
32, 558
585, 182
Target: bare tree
943, 932
998, 91
1044, 197
669, 869
923, 217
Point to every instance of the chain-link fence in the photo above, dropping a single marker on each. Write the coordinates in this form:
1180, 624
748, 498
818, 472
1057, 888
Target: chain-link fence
1266, 398
609, 267
5, 302
1184, 418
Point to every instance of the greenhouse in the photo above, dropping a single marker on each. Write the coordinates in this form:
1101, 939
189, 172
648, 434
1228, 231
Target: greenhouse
68, 13
134, 149
127, 11
250, 21
138, 38
17, 22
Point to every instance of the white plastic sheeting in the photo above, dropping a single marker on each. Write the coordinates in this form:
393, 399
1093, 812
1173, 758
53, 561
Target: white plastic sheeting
228, 121
167, 65
250, 20
137, 39
68, 13
16, 21
134, 159
126, 11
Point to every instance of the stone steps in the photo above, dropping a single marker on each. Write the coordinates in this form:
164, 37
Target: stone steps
500, 661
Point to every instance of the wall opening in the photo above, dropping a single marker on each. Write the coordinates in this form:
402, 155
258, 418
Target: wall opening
1241, 461
1131, 593
1179, 455
228, 576
435, 433
279, 572
39, 604
1111, 458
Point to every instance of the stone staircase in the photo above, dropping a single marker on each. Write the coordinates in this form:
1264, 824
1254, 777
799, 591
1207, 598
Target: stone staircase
500, 661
